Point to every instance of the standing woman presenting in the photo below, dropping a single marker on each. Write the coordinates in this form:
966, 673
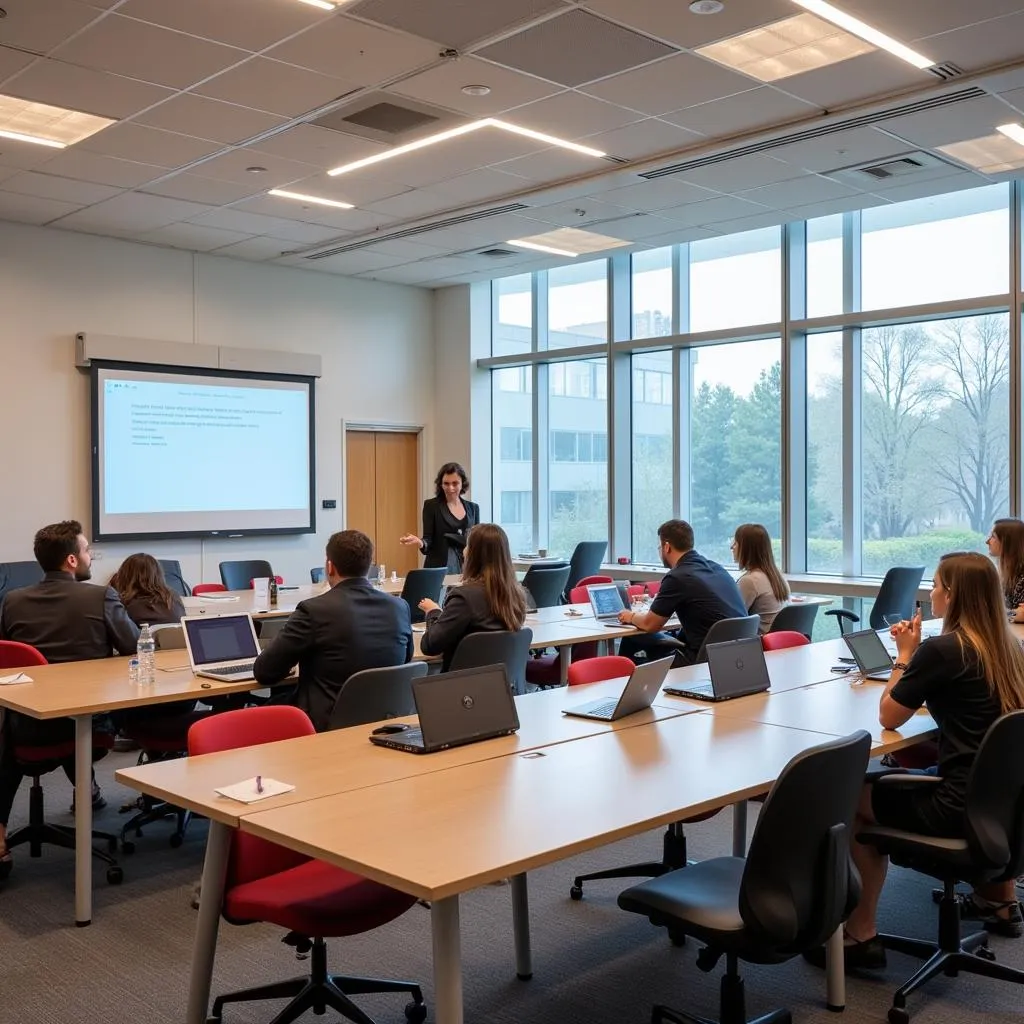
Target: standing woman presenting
447, 518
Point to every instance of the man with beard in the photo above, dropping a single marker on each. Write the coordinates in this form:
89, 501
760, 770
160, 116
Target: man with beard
65, 619
698, 591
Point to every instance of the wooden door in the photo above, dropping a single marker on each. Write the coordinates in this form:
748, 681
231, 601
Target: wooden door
382, 489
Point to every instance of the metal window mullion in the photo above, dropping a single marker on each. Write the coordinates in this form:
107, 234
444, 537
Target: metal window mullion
617, 366
794, 399
853, 389
541, 456
682, 395
1016, 365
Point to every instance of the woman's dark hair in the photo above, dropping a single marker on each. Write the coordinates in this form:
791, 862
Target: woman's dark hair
141, 575
446, 470
1010, 534
754, 552
489, 561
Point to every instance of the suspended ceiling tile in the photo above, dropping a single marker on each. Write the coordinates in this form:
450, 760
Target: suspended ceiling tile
842, 149
413, 204
40, 25
32, 210
25, 155
343, 222
233, 166
574, 214
133, 212
49, 186
951, 182
6, 173
969, 120
193, 237
319, 147
811, 188
741, 173
711, 211
95, 92
980, 46
276, 87
485, 183
352, 262
642, 139
756, 108
358, 189
410, 274
257, 249
1014, 97
834, 206
403, 249
860, 78
571, 115
197, 189
658, 194
772, 219
258, 224
151, 54
680, 235
635, 228
12, 61
104, 170
911, 20
551, 165
204, 118
149, 145
359, 53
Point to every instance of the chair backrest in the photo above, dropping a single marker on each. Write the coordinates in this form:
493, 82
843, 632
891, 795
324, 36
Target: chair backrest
636, 590
168, 637
995, 799
797, 618
798, 881
18, 574
784, 638
588, 580
729, 629
375, 694
316, 574
239, 575
173, 577
546, 584
652, 587
585, 561
511, 649
251, 857
421, 583
896, 595
208, 588
18, 655
268, 629
593, 670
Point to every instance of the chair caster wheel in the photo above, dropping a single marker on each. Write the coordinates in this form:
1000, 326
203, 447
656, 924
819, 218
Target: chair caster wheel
676, 937
128, 847
115, 876
985, 953
414, 1012
898, 1015
176, 840
576, 893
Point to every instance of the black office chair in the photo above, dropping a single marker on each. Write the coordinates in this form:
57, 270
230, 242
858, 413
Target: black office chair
18, 574
316, 575
546, 584
740, 628
796, 885
239, 575
992, 850
896, 597
173, 577
375, 694
499, 647
585, 561
168, 637
421, 583
798, 618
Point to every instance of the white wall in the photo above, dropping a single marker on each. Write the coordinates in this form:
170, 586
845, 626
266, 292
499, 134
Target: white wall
375, 340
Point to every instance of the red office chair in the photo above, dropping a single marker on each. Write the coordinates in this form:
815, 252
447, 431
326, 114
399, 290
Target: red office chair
208, 588
635, 590
311, 899
594, 670
783, 639
652, 588
37, 760
590, 581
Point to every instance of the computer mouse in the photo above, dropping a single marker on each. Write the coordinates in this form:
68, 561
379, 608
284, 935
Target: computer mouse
388, 729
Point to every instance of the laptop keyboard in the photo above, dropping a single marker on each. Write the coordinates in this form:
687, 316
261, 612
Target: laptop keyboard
604, 710
232, 670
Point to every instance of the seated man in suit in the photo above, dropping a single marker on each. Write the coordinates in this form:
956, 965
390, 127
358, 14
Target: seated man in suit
65, 619
698, 591
350, 628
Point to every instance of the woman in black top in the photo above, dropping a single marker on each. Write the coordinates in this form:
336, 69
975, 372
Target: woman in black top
1006, 543
447, 519
967, 677
490, 598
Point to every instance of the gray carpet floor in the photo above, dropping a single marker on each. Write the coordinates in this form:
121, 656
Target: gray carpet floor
592, 962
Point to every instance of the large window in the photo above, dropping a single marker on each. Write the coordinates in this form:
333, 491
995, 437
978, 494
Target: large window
512, 454
825, 491
825, 266
513, 315
651, 450
735, 280
578, 305
652, 293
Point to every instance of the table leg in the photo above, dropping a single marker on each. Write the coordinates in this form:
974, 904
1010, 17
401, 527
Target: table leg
739, 829
447, 942
83, 820
563, 663
835, 983
521, 927
211, 896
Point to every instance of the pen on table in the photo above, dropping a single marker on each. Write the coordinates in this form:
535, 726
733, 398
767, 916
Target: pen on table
259, 783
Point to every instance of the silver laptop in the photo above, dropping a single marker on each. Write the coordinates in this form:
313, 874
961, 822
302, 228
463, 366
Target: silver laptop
221, 647
870, 654
606, 602
737, 668
639, 693
456, 708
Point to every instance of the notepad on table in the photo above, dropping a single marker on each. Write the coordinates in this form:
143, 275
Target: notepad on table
17, 677
248, 792
216, 597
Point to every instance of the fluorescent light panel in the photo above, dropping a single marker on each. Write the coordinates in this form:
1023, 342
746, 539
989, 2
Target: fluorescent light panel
464, 129
1012, 131
865, 31
304, 198
788, 47
43, 125
992, 154
522, 243
568, 242
324, 5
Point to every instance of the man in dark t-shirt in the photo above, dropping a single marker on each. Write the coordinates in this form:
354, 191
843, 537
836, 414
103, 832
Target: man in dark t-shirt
698, 591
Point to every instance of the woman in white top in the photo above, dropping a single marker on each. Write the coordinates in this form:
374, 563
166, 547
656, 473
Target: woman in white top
762, 586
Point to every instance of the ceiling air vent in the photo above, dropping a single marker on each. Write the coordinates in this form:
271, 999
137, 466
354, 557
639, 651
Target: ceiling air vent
385, 118
893, 168
390, 118
498, 254
945, 71
868, 175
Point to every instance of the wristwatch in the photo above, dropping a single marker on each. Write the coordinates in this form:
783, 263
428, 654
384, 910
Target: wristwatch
901, 665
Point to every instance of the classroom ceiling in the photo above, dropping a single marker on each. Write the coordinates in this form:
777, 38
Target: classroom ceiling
216, 102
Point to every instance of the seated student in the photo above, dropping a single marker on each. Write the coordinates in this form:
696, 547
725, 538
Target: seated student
490, 597
763, 588
698, 591
65, 620
968, 677
1006, 543
349, 628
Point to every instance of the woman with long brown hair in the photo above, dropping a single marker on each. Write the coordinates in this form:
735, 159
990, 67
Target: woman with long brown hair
144, 591
968, 676
490, 597
763, 588
1006, 543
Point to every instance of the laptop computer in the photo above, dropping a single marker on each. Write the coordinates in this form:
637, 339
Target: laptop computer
737, 669
606, 602
222, 647
639, 693
456, 708
870, 654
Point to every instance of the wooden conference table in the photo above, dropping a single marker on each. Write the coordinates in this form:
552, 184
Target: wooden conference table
501, 808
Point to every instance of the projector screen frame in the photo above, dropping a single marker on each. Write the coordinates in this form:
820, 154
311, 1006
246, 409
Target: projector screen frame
97, 365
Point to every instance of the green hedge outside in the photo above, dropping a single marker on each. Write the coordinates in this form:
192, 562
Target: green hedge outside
879, 555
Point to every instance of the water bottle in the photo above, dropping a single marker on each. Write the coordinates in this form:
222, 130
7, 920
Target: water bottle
273, 591
133, 671
381, 575
147, 656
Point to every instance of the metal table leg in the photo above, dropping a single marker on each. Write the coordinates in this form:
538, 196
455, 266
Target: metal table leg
835, 983
444, 924
521, 927
215, 866
83, 820
739, 829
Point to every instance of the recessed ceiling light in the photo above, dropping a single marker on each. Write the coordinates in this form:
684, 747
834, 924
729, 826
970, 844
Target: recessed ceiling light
992, 154
788, 47
522, 243
477, 90
302, 197
256, 170
43, 125
1012, 131
324, 5
865, 31
707, 7
465, 129
568, 242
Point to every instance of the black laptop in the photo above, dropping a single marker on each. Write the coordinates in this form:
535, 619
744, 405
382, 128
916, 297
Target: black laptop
737, 668
870, 653
456, 708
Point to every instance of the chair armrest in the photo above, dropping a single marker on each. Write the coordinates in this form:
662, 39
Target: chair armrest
901, 779
843, 614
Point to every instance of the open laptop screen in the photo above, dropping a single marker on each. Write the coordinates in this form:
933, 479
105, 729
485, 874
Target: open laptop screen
868, 650
605, 600
220, 638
